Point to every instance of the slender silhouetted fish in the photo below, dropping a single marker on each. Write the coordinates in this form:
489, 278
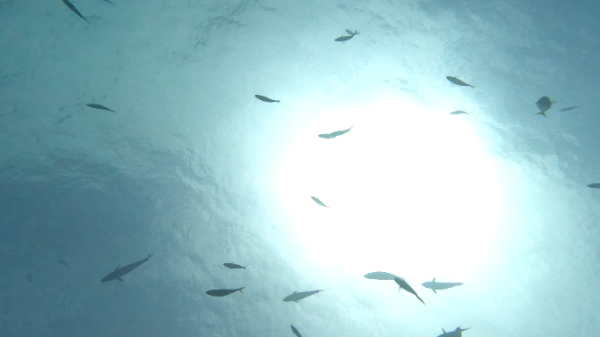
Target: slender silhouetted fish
100, 107
335, 133
223, 292
594, 185
380, 275
71, 7
440, 285
455, 333
64, 263
297, 296
346, 37
456, 81
64, 119
406, 287
266, 99
544, 104
233, 266
458, 112
295, 331
119, 272
318, 201
108, 2
571, 108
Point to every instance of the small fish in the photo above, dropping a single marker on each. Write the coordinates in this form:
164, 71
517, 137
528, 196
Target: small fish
440, 285
64, 119
458, 112
233, 266
594, 185
72, 7
319, 201
405, 286
297, 296
347, 37
223, 292
30, 277
119, 272
100, 107
64, 263
380, 275
335, 133
456, 81
571, 108
295, 331
266, 99
455, 333
108, 2
544, 104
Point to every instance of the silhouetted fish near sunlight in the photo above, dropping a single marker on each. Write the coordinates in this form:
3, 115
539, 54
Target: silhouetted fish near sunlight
335, 134
297, 296
223, 292
100, 107
64, 119
295, 331
433, 285
64, 263
406, 287
544, 104
456, 81
458, 112
571, 108
380, 275
346, 37
318, 201
266, 99
594, 185
119, 272
456, 333
233, 266
71, 7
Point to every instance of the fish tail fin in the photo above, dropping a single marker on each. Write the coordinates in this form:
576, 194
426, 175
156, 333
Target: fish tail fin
277, 101
420, 300
240, 290
543, 113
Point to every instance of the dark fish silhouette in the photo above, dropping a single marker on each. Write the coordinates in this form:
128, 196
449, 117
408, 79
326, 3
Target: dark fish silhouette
335, 134
297, 296
108, 2
318, 201
458, 112
119, 272
406, 287
456, 333
295, 331
64, 119
265, 99
64, 263
346, 37
544, 104
233, 266
71, 7
223, 292
100, 107
571, 108
594, 185
433, 285
456, 81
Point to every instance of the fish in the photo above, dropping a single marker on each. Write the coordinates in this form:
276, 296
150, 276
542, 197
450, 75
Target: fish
456, 81
458, 112
72, 7
347, 37
594, 185
233, 266
64, 119
295, 331
266, 99
335, 133
456, 333
440, 285
571, 108
318, 201
297, 296
119, 272
405, 286
109, 1
223, 292
30, 277
100, 107
380, 275
544, 104
64, 263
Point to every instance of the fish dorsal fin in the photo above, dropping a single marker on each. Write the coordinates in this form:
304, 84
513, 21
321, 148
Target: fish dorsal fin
117, 267
433, 280
295, 292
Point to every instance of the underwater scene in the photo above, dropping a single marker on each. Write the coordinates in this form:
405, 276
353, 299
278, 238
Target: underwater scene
246, 168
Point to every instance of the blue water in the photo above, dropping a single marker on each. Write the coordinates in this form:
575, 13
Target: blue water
193, 169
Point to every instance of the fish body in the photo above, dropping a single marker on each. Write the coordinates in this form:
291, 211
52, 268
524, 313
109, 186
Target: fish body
433, 285
297, 296
335, 133
318, 201
295, 331
346, 37
119, 272
405, 286
72, 7
223, 292
456, 81
594, 185
233, 266
455, 333
544, 104
266, 99
98, 106
64, 119
458, 112
380, 275
64, 263
571, 108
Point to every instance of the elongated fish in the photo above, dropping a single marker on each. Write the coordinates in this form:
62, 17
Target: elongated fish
594, 185
571, 108
318, 201
380, 275
433, 285
233, 266
335, 133
406, 287
266, 99
64, 119
295, 331
456, 81
347, 37
455, 333
297, 296
458, 112
223, 292
64, 263
72, 7
108, 2
119, 272
100, 107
